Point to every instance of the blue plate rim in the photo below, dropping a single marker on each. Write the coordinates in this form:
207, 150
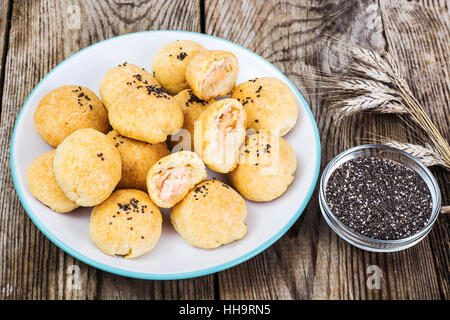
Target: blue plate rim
185, 275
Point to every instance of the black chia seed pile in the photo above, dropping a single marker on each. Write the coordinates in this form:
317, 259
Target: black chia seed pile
379, 198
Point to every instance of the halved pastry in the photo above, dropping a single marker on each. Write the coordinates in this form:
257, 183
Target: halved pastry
219, 132
172, 177
192, 107
212, 73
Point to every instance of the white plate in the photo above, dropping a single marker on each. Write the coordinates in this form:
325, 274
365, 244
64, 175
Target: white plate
172, 257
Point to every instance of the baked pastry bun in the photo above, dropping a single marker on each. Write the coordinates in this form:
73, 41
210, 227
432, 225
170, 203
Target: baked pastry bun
170, 64
127, 224
119, 80
211, 215
65, 110
171, 178
212, 73
43, 185
266, 167
87, 167
192, 107
219, 132
138, 107
270, 104
137, 158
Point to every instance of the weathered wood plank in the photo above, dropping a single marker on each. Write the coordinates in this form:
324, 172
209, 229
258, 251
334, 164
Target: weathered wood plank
419, 35
5, 12
310, 261
42, 34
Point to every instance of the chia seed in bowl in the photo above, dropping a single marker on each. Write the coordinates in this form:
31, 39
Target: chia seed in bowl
379, 198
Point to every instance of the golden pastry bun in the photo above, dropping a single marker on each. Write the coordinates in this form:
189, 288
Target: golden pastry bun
170, 64
43, 185
192, 107
211, 215
119, 80
87, 167
66, 109
212, 73
127, 224
171, 178
137, 107
270, 105
266, 167
137, 158
219, 132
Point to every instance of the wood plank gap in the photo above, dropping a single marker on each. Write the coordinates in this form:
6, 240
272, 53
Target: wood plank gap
202, 17
5, 48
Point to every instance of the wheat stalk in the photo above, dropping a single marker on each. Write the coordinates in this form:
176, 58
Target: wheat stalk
426, 155
372, 82
374, 102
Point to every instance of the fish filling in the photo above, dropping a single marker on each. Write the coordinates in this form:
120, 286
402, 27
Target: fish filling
227, 123
217, 74
173, 181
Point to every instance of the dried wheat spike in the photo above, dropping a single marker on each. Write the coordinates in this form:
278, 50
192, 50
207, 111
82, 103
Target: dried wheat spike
426, 155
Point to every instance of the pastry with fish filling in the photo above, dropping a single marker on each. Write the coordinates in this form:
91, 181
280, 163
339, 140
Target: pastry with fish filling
66, 109
127, 224
170, 64
171, 178
138, 107
87, 167
43, 185
192, 107
137, 158
219, 132
212, 73
270, 105
266, 167
211, 215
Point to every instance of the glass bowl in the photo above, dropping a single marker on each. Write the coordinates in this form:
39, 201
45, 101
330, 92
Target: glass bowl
381, 151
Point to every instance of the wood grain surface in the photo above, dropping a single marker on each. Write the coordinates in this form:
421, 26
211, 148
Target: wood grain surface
310, 261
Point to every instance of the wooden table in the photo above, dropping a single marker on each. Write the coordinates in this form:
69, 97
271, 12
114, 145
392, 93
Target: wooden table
310, 261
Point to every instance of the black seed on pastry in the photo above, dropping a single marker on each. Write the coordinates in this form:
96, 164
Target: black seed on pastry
182, 55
